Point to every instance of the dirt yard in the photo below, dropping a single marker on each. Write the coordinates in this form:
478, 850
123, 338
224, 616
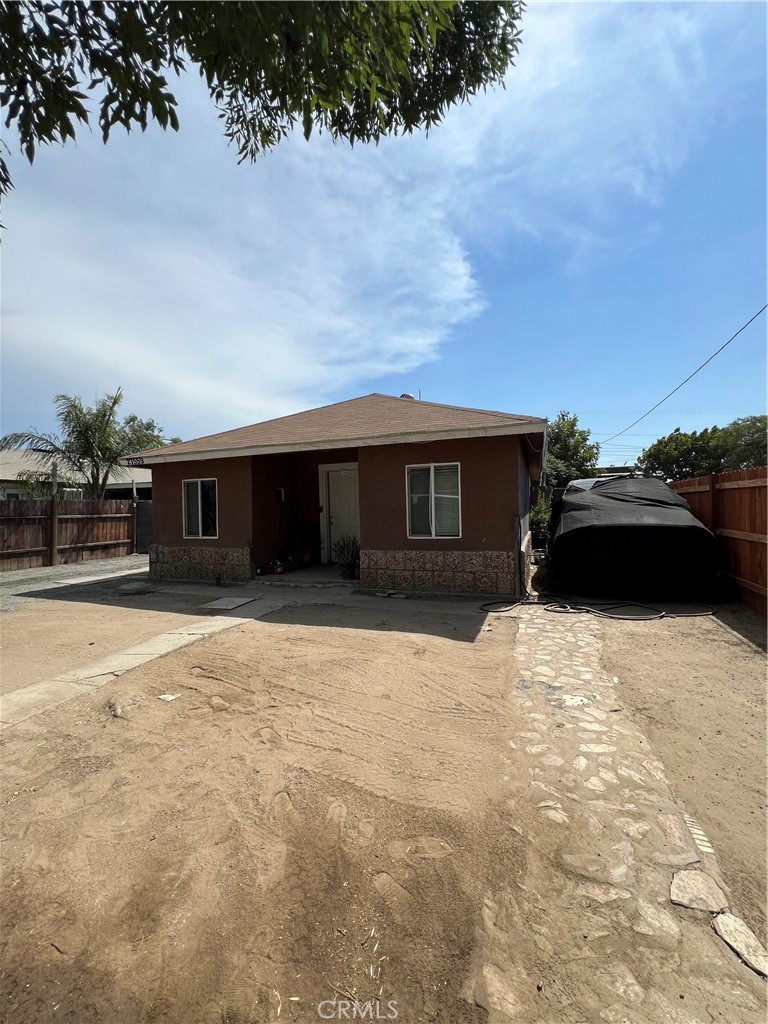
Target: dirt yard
45, 638
332, 808
697, 689
317, 813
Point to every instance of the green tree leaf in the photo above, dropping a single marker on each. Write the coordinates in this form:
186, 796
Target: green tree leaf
570, 454
90, 442
680, 455
379, 68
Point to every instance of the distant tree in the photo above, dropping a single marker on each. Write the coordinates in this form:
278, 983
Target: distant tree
357, 69
138, 432
570, 453
90, 443
681, 455
36, 483
743, 444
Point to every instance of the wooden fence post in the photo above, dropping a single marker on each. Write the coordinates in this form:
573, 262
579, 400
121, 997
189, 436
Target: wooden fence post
54, 528
714, 503
135, 517
133, 527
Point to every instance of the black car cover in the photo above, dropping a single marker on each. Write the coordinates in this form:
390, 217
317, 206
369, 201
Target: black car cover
630, 536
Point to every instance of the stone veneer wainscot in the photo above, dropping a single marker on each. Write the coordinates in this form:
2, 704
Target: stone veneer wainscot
458, 572
190, 562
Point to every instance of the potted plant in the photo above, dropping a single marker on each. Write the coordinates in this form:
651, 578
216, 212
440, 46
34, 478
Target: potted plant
346, 552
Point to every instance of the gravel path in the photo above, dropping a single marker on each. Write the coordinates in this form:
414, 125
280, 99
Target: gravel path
13, 585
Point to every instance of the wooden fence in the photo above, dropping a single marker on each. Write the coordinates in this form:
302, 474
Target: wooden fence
50, 531
733, 505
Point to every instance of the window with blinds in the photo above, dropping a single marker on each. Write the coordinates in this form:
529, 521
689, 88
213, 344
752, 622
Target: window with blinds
434, 500
200, 508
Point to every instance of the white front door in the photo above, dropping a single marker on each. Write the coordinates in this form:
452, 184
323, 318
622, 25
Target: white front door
343, 506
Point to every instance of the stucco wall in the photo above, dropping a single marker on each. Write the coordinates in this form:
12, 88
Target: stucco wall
255, 527
489, 494
233, 478
273, 521
172, 556
483, 560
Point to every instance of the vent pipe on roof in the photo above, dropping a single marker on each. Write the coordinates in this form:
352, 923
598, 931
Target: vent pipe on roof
408, 396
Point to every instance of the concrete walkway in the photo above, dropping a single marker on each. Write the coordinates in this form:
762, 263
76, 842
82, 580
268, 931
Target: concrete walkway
212, 609
23, 703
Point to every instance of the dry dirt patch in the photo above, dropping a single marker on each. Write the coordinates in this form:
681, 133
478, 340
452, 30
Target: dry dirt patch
44, 639
698, 692
320, 812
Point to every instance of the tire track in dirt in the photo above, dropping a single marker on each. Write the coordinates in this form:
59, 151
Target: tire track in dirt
200, 861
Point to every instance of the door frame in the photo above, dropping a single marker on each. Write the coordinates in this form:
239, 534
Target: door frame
323, 470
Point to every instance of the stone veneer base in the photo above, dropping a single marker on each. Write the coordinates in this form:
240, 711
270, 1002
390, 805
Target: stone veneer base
193, 562
526, 554
448, 572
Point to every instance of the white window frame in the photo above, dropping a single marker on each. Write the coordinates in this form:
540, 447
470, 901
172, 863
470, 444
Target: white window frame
431, 467
198, 480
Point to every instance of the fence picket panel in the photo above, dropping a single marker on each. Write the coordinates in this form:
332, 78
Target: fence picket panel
736, 503
87, 529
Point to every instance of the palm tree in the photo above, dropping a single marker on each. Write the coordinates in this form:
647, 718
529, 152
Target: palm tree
90, 443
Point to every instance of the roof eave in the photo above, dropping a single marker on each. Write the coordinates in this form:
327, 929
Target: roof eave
532, 426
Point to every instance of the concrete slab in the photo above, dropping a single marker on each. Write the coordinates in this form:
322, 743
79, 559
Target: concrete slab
102, 577
162, 644
21, 704
119, 663
229, 602
32, 700
207, 626
114, 665
94, 682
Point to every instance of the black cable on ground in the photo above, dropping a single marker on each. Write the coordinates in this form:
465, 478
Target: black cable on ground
563, 606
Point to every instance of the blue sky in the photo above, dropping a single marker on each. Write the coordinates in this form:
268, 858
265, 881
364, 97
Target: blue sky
581, 240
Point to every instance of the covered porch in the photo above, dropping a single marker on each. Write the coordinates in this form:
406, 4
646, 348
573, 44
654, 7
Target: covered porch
302, 503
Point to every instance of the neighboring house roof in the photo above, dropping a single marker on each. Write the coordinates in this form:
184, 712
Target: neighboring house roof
614, 470
372, 419
16, 460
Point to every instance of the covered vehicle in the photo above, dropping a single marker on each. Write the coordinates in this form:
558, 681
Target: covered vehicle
630, 536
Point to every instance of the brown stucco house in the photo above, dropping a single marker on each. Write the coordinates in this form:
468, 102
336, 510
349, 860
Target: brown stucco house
437, 494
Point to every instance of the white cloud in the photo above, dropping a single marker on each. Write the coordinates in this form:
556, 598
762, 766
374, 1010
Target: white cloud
218, 294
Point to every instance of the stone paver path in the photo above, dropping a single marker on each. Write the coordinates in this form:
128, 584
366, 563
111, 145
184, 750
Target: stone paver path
607, 943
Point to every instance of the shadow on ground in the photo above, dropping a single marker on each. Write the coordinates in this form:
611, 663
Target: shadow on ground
745, 622
737, 617
452, 618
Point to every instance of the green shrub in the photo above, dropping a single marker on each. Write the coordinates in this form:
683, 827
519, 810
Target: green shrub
346, 552
540, 514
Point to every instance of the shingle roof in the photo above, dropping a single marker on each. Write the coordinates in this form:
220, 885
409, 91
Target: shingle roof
371, 419
16, 460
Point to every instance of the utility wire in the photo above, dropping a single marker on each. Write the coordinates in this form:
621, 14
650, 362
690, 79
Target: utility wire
732, 338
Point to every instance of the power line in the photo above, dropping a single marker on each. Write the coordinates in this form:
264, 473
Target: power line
732, 338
